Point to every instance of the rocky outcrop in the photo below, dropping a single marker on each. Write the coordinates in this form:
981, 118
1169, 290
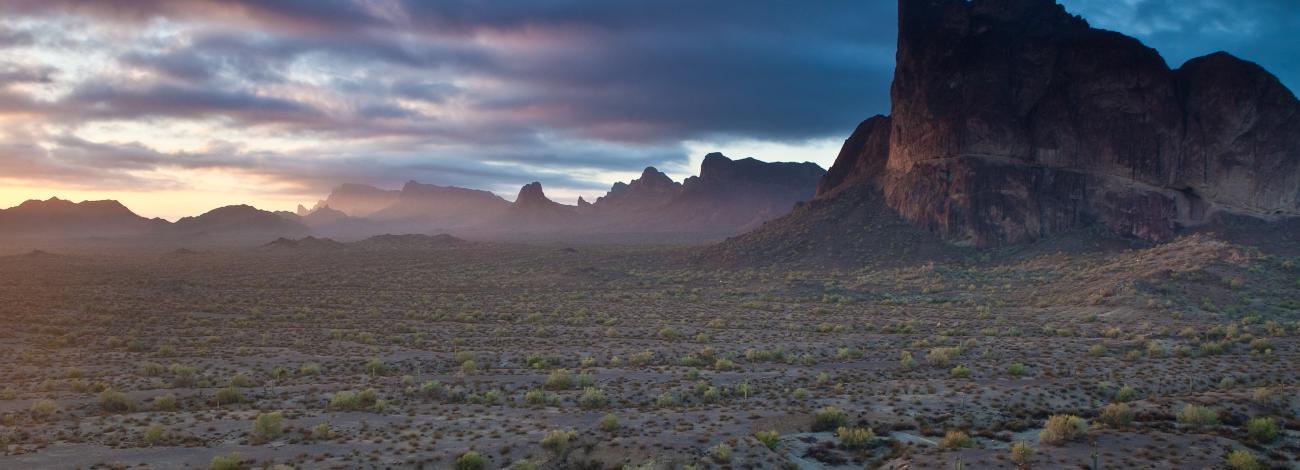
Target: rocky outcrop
861, 160
426, 206
357, 200
1013, 120
653, 188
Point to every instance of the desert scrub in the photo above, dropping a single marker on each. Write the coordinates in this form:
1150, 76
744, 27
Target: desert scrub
1017, 370
114, 401
1242, 459
907, 361
268, 427
470, 461
228, 396
960, 372
240, 381
1126, 394
829, 418
721, 453
165, 402
559, 379
941, 357
1196, 415
376, 367
183, 376
609, 423
322, 432
557, 441
354, 401
1021, 452
955, 439
724, 364
155, 435
1116, 415
310, 368
229, 461
43, 409
1262, 429
151, 369
1097, 350
584, 380
592, 398
768, 438
855, 438
1060, 429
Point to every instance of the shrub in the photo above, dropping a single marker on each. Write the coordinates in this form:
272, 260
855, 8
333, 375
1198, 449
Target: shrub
1126, 394
592, 397
183, 376
114, 401
724, 364
470, 461
941, 357
557, 441
609, 423
828, 419
154, 435
955, 439
1116, 415
165, 402
376, 367
1097, 350
268, 427
322, 431
855, 438
229, 396
768, 438
1021, 452
226, 462
1196, 415
721, 452
584, 380
960, 372
44, 408
1242, 459
1060, 429
241, 381
560, 379
152, 369
310, 368
1017, 370
1262, 429
907, 361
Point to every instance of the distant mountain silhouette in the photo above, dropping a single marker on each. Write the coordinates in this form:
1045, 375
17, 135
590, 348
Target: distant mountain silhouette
238, 222
59, 218
357, 200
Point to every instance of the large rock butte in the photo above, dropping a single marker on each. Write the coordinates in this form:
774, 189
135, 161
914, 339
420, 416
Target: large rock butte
1013, 120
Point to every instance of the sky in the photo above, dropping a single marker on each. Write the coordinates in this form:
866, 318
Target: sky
175, 107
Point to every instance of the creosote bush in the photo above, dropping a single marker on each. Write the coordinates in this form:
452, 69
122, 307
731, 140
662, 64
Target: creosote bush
609, 423
955, 439
768, 438
855, 438
1116, 415
557, 441
1242, 459
559, 379
44, 408
1021, 452
268, 427
229, 461
114, 401
1196, 415
470, 461
1262, 429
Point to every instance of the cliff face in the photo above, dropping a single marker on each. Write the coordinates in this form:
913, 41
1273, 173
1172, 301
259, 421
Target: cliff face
1014, 120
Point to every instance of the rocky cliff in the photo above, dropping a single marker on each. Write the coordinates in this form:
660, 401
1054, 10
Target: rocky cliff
1013, 120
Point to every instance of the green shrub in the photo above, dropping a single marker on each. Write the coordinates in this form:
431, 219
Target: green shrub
559, 379
1097, 350
829, 418
1242, 459
154, 435
241, 381
907, 361
1126, 394
1021, 452
1262, 429
941, 357
229, 461
960, 372
1196, 415
152, 369
1017, 370
1060, 429
165, 402
114, 401
721, 452
376, 367
609, 423
855, 438
268, 427
310, 368
470, 461
229, 396
768, 438
557, 441
592, 398
322, 432
955, 439
1116, 415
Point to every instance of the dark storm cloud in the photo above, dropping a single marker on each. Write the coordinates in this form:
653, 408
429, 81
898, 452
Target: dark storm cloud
482, 93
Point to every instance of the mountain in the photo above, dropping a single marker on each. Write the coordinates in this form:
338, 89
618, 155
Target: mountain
424, 207
533, 211
1014, 121
58, 218
738, 195
652, 189
237, 223
356, 200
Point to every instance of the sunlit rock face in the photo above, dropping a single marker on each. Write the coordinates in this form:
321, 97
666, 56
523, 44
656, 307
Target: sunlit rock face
1013, 120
